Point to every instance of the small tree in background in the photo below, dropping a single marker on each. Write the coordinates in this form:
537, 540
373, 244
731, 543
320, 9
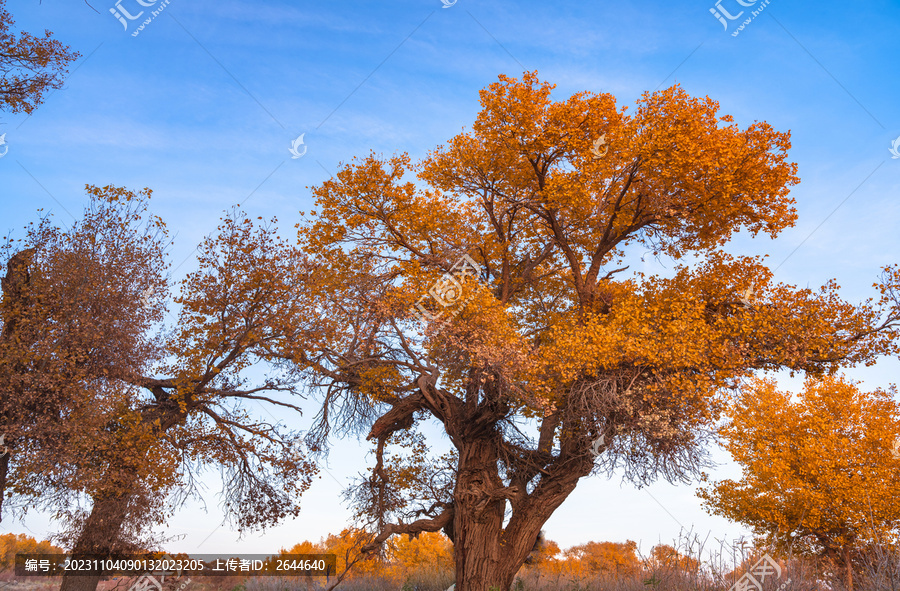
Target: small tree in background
819, 470
666, 556
609, 560
12, 544
428, 556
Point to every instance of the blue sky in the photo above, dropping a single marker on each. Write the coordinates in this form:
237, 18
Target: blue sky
203, 104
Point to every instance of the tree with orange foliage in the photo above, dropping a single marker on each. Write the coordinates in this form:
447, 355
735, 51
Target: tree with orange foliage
492, 297
97, 408
819, 475
305, 547
403, 558
29, 66
608, 559
666, 556
71, 332
426, 556
12, 544
352, 561
543, 563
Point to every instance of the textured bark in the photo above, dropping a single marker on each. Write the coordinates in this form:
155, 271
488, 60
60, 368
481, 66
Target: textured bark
4, 470
486, 553
478, 520
848, 566
98, 536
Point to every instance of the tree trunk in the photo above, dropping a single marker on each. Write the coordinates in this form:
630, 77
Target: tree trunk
99, 535
478, 558
488, 554
4, 470
848, 565
478, 521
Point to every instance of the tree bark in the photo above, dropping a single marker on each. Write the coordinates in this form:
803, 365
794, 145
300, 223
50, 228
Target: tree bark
478, 520
98, 536
848, 565
488, 554
4, 470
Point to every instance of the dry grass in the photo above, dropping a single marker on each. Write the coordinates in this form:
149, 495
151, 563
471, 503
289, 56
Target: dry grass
878, 570
713, 570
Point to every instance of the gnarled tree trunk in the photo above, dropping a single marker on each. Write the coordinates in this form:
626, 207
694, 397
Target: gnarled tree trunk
478, 520
488, 554
99, 535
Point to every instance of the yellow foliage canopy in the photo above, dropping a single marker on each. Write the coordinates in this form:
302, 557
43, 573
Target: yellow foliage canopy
490, 293
819, 472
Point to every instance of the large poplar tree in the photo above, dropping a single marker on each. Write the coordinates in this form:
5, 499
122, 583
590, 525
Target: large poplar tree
493, 295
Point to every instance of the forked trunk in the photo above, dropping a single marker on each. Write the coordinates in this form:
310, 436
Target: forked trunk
98, 536
488, 555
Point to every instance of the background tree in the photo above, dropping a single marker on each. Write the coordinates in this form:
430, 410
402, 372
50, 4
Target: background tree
546, 563
304, 547
72, 328
819, 475
12, 544
241, 308
140, 421
547, 550
29, 66
665, 556
429, 552
352, 561
611, 559
541, 343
